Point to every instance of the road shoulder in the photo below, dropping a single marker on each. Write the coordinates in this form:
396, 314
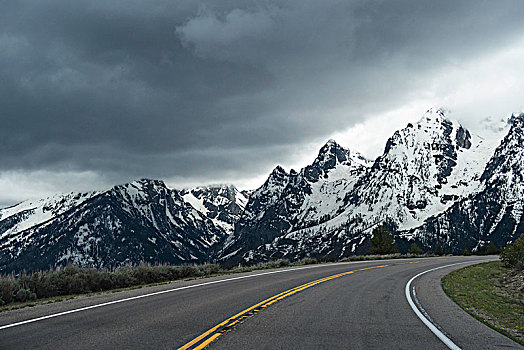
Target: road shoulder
454, 322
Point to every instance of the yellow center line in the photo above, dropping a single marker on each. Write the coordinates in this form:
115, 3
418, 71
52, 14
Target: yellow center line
203, 335
213, 333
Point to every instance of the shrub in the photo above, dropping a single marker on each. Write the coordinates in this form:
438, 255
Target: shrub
144, 273
277, 263
513, 255
23, 295
307, 261
489, 249
466, 252
7, 289
209, 269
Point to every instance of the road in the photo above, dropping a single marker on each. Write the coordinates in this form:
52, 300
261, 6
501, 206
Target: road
360, 306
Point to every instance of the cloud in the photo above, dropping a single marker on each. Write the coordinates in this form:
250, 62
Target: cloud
212, 36
225, 90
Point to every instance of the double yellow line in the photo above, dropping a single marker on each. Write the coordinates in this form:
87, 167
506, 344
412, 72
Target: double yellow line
207, 337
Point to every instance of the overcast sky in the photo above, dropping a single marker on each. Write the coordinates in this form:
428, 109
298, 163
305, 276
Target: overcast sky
98, 93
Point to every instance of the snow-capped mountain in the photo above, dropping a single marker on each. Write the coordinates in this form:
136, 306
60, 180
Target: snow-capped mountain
425, 169
27, 214
223, 204
140, 221
495, 213
295, 201
434, 182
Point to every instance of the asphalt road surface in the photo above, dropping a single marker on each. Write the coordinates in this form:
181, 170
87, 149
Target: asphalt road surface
358, 305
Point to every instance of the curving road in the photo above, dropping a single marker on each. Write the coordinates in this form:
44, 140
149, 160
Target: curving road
350, 306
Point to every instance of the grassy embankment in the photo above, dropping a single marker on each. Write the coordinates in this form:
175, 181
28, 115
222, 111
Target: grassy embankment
66, 283
491, 293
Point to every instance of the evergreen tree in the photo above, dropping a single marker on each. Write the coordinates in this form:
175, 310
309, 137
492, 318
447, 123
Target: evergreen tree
382, 241
415, 249
513, 254
492, 249
438, 249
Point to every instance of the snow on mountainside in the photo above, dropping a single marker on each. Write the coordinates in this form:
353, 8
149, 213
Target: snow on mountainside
31, 213
425, 168
223, 204
494, 213
140, 221
434, 182
288, 202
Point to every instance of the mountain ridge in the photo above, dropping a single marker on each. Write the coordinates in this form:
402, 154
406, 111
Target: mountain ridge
429, 185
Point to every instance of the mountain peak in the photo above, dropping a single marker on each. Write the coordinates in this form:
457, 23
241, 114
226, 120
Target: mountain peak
517, 119
333, 153
278, 170
433, 115
214, 187
331, 143
154, 182
333, 147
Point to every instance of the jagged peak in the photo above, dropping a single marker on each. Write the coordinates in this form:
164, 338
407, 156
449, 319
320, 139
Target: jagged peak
214, 187
437, 114
435, 129
433, 124
332, 149
331, 142
278, 170
330, 145
516, 119
277, 176
435, 117
338, 154
140, 184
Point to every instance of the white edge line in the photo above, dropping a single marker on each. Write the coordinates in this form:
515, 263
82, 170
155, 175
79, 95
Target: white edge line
174, 290
430, 325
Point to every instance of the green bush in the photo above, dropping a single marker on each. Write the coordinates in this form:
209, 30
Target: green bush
277, 263
8, 289
513, 255
307, 261
23, 295
466, 252
489, 249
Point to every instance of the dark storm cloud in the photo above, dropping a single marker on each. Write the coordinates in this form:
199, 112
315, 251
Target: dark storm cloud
178, 88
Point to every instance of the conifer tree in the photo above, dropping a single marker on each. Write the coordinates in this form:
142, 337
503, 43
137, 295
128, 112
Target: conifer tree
382, 241
438, 249
415, 249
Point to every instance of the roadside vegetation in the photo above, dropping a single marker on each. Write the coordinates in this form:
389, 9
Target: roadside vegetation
28, 289
493, 292
24, 289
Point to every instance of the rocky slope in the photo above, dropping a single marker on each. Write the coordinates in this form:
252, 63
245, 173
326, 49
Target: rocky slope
140, 221
295, 201
425, 169
434, 182
494, 213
